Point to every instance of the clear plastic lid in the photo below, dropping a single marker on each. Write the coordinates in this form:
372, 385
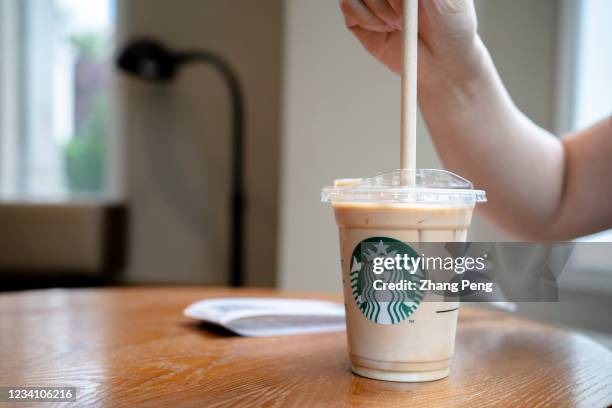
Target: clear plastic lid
432, 187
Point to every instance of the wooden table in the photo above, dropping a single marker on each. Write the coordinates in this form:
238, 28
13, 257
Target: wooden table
132, 347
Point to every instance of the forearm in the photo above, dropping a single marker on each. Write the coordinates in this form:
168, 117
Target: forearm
480, 134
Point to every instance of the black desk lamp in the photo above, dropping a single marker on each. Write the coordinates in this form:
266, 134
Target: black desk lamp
150, 60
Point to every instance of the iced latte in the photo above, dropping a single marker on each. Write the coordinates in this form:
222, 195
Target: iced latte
405, 336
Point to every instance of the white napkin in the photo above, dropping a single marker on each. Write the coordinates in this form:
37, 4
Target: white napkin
269, 316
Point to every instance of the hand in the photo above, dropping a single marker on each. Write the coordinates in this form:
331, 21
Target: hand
447, 33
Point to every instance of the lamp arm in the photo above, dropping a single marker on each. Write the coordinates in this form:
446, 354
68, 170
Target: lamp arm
237, 246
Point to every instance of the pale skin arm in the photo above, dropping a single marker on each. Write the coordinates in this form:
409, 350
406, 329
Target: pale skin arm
539, 187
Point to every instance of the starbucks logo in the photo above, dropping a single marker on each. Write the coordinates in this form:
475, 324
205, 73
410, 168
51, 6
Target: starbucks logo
385, 306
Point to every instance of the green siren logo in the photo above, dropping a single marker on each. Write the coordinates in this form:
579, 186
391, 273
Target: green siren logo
384, 306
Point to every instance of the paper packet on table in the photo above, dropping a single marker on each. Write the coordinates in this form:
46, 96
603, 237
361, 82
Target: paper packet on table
269, 316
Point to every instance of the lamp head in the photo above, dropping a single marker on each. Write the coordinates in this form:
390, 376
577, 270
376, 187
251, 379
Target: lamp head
149, 59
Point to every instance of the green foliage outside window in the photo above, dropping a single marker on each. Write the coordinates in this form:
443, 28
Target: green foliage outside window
84, 155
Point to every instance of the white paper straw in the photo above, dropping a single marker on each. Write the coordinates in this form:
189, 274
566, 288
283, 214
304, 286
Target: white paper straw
410, 39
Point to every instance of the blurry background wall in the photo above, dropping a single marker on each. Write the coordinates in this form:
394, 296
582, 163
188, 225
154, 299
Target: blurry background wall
341, 117
177, 140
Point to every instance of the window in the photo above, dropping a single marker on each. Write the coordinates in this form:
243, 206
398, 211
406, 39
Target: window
586, 98
593, 72
55, 97
593, 93
585, 66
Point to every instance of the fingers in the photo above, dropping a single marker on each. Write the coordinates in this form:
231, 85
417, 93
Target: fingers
397, 6
384, 46
357, 13
387, 48
386, 15
384, 11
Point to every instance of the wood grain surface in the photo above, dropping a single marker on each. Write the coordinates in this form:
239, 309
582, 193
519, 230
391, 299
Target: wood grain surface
132, 347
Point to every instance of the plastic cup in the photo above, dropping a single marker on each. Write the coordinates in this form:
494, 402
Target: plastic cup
409, 339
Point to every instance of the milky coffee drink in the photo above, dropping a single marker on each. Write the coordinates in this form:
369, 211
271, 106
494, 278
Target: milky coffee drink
408, 337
